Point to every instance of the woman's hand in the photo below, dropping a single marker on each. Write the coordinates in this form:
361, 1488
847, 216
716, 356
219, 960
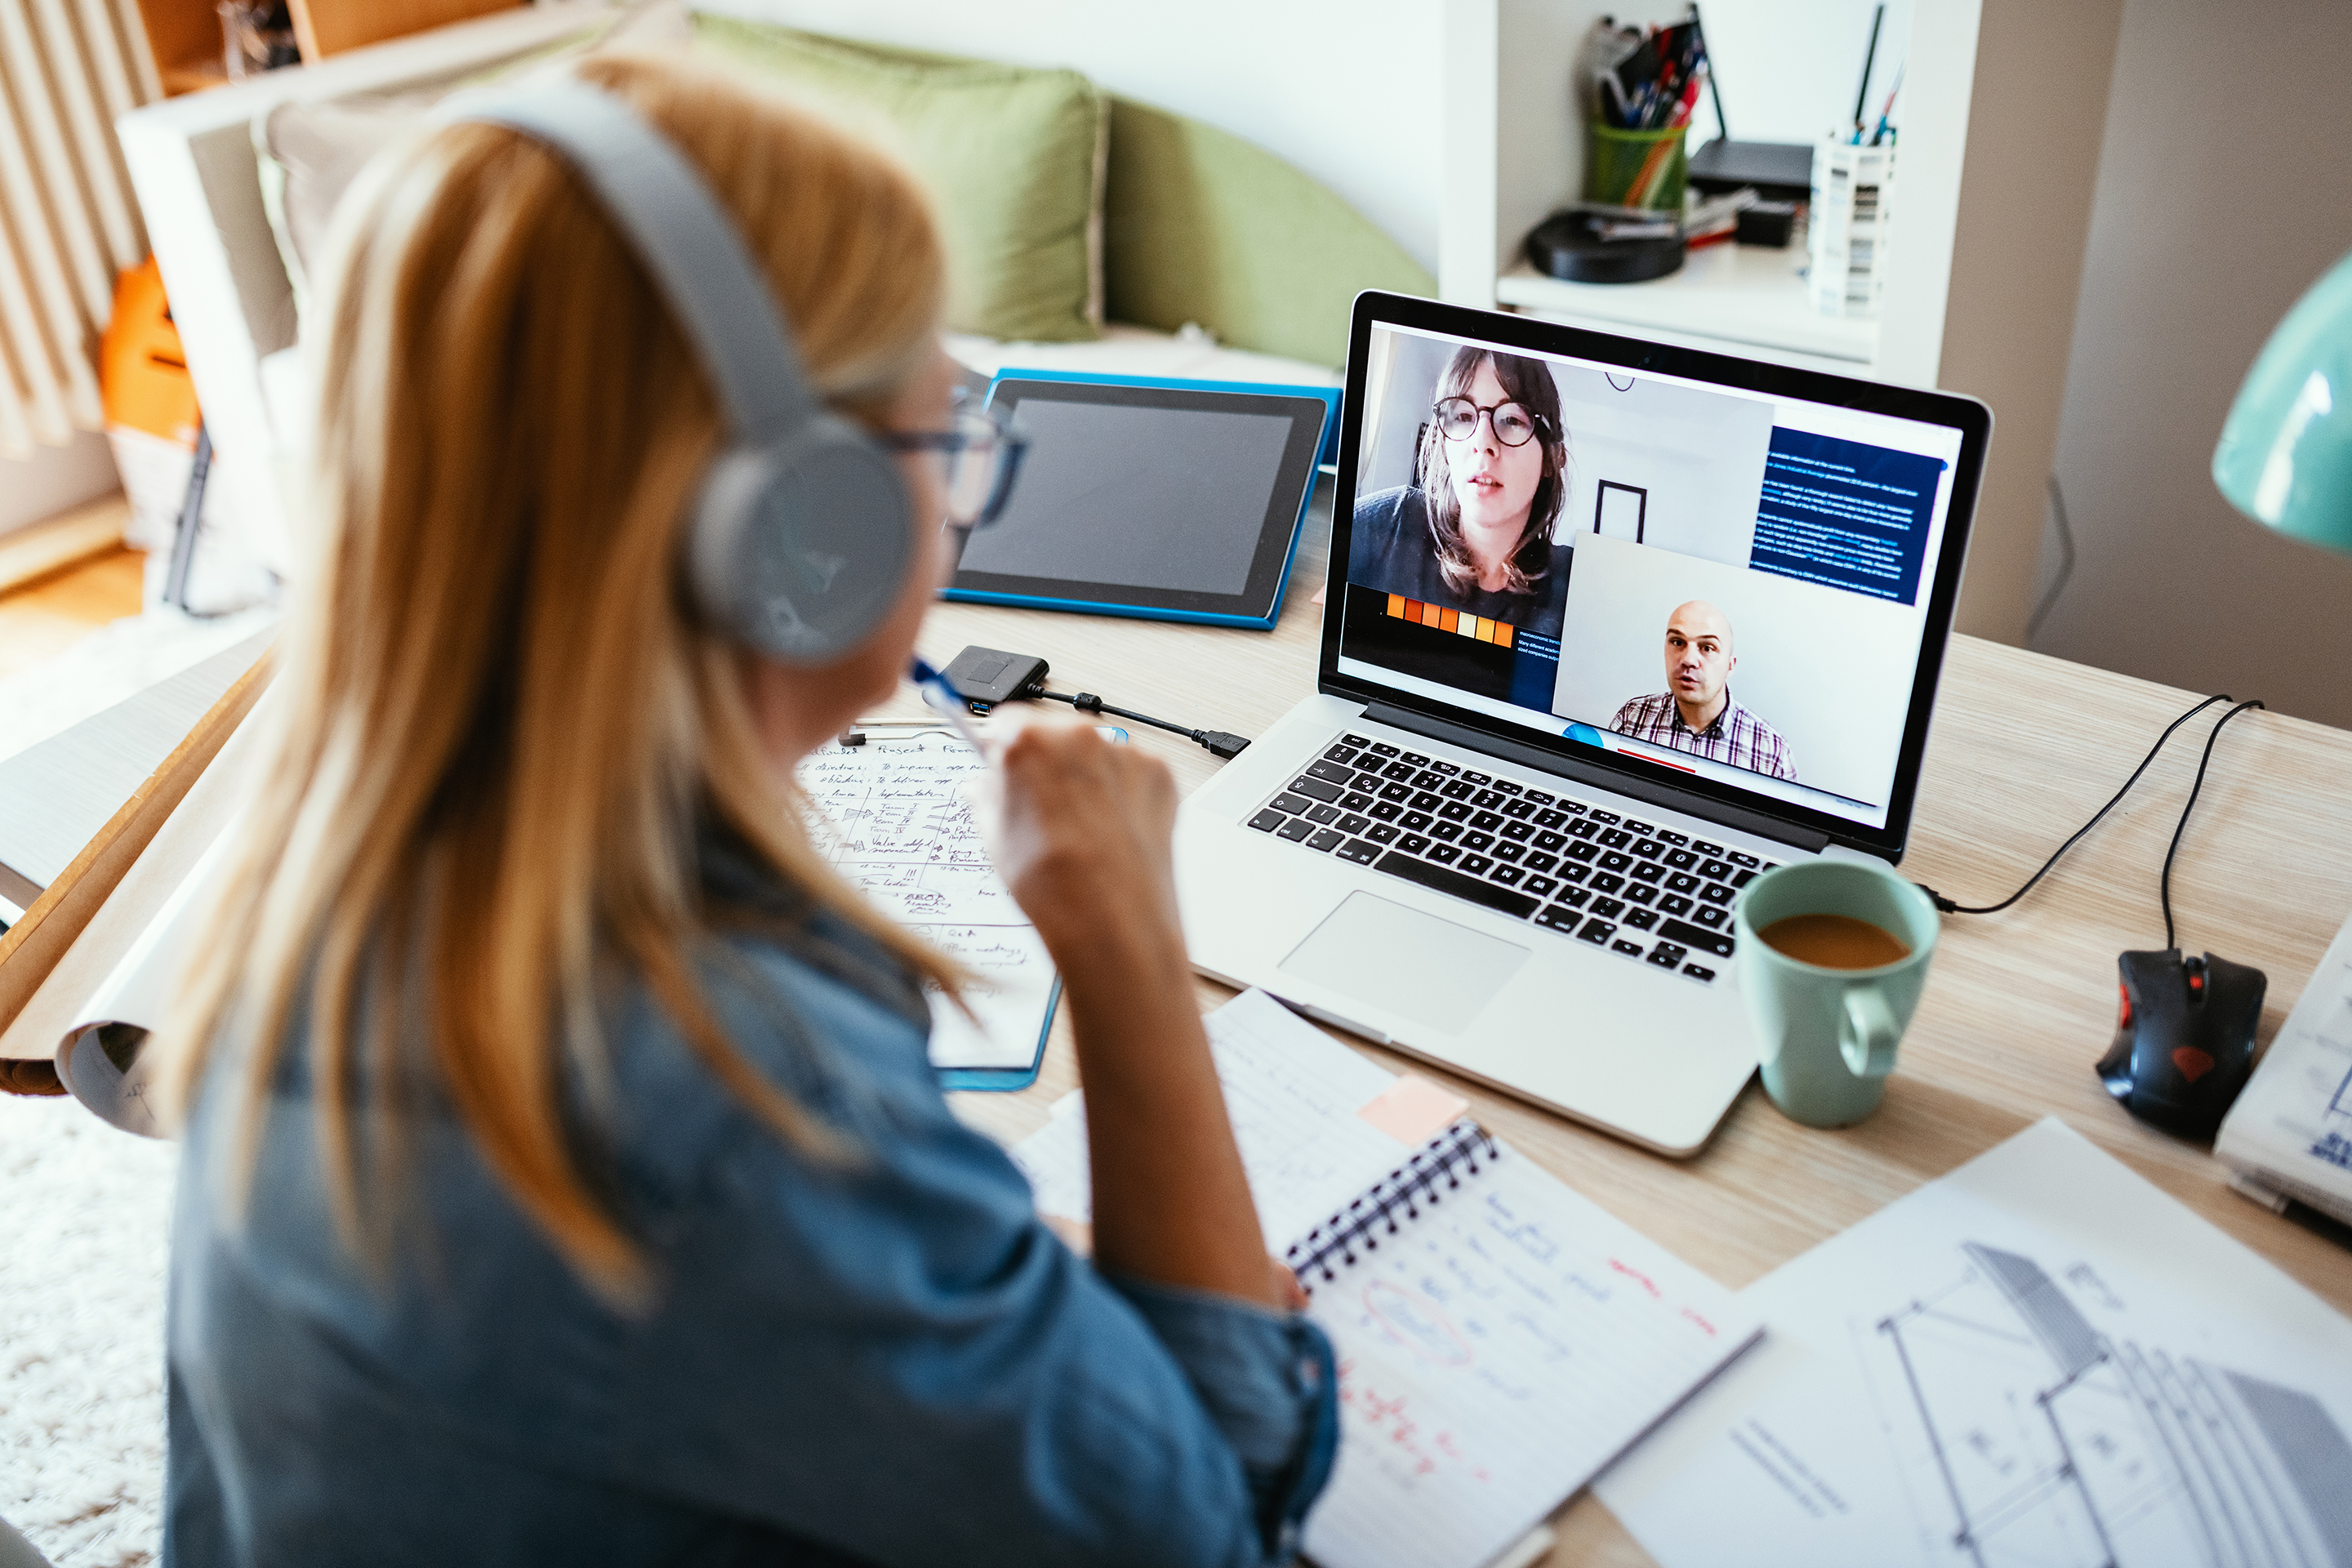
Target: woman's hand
1282, 1285
1080, 829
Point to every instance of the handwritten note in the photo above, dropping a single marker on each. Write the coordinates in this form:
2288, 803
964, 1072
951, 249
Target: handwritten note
1494, 1355
1500, 1338
894, 817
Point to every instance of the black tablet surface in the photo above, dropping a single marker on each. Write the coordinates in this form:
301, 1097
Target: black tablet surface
1174, 500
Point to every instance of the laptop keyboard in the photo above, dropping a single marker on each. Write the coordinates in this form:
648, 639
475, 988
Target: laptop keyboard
1643, 893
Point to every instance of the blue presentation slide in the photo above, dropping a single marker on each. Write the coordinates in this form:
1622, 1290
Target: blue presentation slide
1845, 514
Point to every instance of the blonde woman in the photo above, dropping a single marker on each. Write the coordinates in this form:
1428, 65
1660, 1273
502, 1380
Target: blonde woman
564, 1180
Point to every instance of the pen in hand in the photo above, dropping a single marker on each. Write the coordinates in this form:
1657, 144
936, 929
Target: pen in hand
940, 695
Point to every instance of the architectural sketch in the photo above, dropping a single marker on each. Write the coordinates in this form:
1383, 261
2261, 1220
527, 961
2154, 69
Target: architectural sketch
2029, 1438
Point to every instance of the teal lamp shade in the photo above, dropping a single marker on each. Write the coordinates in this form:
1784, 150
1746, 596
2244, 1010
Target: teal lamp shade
2285, 454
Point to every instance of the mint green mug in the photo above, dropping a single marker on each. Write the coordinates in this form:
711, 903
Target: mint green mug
1826, 1036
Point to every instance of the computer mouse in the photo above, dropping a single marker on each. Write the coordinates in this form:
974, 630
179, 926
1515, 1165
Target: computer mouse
2184, 1039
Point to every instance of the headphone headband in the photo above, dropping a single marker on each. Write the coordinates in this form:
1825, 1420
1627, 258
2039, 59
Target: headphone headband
803, 532
676, 227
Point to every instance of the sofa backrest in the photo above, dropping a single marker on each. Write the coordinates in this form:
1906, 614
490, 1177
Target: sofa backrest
1200, 226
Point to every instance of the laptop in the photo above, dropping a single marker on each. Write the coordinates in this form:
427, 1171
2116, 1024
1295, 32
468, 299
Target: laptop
1610, 628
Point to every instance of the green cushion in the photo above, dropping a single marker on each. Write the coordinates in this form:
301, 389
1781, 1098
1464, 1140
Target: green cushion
1200, 226
1014, 158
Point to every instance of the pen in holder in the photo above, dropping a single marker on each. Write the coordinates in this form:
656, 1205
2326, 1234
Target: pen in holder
1846, 230
1635, 168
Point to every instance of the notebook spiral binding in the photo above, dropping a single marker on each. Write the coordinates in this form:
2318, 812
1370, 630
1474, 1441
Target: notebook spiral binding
1447, 1158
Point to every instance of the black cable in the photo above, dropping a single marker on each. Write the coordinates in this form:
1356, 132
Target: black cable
1219, 743
1947, 906
2165, 885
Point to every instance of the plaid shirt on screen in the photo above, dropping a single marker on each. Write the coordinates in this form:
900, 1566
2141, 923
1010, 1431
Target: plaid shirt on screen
1737, 736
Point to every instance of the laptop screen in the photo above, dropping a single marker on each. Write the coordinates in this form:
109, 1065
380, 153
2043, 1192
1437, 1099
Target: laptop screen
1665, 559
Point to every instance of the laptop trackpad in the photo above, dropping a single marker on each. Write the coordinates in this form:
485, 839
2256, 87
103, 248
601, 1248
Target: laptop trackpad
1426, 969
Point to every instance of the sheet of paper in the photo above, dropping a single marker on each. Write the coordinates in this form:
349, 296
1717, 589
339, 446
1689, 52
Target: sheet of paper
100, 1059
1494, 1353
1294, 1095
893, 818
2292, 1127
2039, 1360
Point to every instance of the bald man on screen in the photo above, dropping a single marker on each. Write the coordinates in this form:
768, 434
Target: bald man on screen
1696, 712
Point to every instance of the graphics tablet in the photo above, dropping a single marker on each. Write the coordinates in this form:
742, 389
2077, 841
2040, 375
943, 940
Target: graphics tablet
1168, 499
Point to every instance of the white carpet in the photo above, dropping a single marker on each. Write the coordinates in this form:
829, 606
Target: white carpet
118, 660
84, 1215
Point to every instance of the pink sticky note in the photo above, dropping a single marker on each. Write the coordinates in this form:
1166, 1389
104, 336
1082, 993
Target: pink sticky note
1414, 1109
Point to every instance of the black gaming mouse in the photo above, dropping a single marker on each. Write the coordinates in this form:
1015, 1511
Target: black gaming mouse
2184, 1040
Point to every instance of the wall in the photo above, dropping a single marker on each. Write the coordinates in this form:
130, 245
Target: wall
53, 480
1344, 91
1787, 73
1348, 90
2018, 241
2199, 240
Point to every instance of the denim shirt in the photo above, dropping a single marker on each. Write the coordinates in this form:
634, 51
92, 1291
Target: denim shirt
893, 1361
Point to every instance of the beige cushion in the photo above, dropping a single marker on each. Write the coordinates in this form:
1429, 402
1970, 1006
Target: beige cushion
309, 153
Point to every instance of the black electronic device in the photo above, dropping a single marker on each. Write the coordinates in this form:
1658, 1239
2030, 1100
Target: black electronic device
2184, 1040
1575, 246
2185, 1032
1768, 224
984, 677
1167, 500
1777, 171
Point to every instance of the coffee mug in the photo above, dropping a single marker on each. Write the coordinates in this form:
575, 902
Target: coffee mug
1827, 1035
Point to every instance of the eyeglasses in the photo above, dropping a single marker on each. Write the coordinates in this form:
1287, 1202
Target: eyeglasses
1457, 420
981, 456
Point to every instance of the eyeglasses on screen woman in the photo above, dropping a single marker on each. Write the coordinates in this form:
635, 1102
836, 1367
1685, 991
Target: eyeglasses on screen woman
1514, 425
980, 454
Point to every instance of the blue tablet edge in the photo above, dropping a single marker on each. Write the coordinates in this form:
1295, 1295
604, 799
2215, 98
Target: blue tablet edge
1324, 454
1004, 1080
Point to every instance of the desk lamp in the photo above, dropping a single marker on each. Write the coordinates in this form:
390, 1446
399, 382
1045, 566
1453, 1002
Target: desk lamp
2285, 453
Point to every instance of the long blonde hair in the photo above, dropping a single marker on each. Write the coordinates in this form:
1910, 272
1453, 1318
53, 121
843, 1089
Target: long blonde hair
498, 722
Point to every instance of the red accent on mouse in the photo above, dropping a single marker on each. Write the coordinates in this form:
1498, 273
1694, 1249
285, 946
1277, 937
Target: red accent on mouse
2184, 1041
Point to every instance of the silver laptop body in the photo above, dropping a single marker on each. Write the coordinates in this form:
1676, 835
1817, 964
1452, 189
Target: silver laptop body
1485, 841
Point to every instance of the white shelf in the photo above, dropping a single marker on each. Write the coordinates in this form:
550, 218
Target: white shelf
1731, 294
1513, 152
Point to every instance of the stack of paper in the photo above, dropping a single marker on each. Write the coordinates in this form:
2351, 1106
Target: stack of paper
2038, 1362
2289, 1134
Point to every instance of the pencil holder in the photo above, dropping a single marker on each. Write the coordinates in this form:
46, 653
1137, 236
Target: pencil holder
1847, 228
1635, 168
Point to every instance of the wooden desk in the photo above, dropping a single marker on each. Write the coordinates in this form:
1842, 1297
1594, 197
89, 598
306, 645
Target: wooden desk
2018, 1006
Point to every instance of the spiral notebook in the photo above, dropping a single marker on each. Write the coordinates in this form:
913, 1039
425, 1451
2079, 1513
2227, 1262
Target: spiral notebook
1500, 1337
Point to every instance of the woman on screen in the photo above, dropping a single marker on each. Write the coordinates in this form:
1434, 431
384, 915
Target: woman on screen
563, 1177
1475, 534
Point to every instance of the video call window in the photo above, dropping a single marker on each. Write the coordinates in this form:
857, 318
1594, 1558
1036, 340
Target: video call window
1726, 582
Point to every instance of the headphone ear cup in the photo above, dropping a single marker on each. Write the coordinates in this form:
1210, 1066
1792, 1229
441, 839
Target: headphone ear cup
799, 549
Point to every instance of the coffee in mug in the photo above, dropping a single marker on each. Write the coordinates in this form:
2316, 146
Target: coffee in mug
1832, 956
1834, 942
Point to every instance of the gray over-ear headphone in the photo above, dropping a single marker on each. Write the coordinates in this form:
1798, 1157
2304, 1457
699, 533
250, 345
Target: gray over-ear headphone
803, 529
